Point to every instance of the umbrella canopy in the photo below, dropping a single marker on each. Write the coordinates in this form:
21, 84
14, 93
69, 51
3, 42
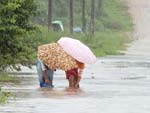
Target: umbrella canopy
77, 50
53, 56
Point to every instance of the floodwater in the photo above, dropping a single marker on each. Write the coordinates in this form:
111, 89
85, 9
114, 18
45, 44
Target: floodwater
119, 84
115, 84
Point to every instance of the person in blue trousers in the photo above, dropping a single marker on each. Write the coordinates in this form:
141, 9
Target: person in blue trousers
45, 75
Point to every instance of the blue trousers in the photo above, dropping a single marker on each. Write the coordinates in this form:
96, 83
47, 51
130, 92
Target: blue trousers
41, 77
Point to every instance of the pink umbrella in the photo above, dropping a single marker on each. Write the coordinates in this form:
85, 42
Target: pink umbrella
77, 50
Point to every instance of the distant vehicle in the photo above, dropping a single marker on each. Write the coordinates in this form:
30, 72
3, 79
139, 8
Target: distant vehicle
77, 29
57, 25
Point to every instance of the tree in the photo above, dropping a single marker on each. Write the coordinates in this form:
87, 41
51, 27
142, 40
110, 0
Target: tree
14, 25
92, 16
71, 16
83, 16
99, 7
49, 13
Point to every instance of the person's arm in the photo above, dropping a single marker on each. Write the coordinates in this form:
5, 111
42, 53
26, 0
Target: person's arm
44, 73
46, 79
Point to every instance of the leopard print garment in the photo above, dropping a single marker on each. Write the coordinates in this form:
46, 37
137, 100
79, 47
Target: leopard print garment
55, 57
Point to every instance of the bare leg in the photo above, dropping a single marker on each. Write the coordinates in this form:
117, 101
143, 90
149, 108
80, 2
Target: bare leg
71, 81
76, 83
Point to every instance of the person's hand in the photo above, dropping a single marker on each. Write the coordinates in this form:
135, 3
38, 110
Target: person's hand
47, 81
77, 82
76, 85
80, 72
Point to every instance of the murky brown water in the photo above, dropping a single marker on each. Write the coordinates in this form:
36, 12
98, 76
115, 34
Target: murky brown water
121, 85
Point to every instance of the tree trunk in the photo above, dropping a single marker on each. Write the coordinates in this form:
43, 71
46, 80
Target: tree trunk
100, 7
71, 16
83, 17
92, 16
49, 14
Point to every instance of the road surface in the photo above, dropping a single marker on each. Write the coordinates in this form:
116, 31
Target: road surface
121, 83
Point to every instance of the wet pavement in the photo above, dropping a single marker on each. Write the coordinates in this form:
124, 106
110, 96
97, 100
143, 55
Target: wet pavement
115, 84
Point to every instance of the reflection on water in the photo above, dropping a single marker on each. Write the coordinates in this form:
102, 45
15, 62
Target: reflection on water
112, 85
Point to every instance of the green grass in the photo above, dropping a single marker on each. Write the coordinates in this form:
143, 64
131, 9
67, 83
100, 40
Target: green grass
105, 43
7, 78
102, 43
115, 16
4, 97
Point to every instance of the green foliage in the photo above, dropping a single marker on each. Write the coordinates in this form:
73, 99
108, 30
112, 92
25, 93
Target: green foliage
102, 43
4, 77
4, 97
7, 78
111, 23
14, 25
115, 16
111, 14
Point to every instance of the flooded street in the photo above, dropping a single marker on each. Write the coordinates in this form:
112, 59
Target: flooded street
115, 84
121, 84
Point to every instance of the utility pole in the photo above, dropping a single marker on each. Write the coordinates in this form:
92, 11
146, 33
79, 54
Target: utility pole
71, 16
49, 14
100, 7
83, 17
92, 16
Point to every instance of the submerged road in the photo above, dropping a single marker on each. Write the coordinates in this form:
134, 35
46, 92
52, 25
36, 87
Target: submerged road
121, 84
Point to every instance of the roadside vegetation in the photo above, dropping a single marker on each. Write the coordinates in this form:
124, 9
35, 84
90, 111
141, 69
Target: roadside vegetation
4, 97
112, 25
102, 43
5, 78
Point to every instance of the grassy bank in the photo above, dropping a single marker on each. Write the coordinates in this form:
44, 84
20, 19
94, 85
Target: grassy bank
102, 43
7, 78
4, 97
